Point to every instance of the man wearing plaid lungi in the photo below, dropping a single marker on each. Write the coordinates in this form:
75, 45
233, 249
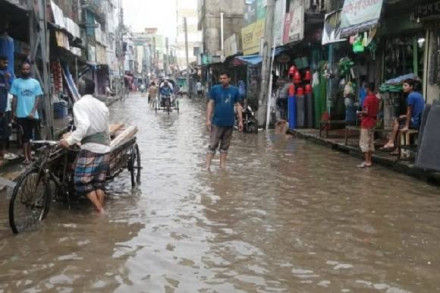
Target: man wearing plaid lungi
92, 131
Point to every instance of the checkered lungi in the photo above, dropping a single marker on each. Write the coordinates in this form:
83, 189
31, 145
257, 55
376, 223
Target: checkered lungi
91, 169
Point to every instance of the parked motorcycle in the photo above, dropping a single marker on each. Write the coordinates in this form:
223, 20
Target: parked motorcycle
250, 123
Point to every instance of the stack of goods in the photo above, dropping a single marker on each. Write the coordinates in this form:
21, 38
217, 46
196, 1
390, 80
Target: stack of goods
57, 77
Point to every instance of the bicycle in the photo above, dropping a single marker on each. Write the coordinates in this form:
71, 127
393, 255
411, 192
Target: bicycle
32, 192
50, 178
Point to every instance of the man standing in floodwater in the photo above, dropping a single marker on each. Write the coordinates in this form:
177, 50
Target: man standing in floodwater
222, 100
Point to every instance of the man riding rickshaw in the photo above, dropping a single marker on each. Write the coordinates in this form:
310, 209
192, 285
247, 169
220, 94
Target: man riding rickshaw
166, 94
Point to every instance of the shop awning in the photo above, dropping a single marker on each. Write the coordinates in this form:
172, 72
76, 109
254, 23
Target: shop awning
359, 16
251, 59
256, 58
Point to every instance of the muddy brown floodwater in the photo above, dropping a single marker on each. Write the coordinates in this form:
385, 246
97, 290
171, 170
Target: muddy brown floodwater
286, 216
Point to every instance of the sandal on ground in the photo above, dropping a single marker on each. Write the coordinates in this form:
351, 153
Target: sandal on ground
363, 165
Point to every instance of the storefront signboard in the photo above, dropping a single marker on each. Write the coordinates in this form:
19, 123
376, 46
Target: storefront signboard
231, 46
280, 7
251, 37
91, 53
101, 54
261, 9
250, 13
428, 10
359, 15
62, 40
332, 28
294, 24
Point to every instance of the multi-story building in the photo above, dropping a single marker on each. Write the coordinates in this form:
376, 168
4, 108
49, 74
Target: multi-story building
153, 48
129, 53
113, 31
210, 14
187, 9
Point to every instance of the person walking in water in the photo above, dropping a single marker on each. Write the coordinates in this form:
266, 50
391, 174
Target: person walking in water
92, 131
152, 93
222, 100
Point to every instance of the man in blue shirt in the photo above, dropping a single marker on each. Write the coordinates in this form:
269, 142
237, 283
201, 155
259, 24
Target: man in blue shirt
26, 92
223, 98
413, 117
166, 92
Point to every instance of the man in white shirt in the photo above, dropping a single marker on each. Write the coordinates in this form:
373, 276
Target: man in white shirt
92, 131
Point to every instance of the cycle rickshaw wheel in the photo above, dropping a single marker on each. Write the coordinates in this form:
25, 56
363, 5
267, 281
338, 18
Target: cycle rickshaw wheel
30, 202
168, 105
135, 166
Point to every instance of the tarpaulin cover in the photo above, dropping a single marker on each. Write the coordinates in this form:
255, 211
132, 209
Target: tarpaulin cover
429, 139
256, 58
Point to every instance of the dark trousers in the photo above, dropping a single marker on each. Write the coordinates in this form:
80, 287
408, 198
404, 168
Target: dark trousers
5, 130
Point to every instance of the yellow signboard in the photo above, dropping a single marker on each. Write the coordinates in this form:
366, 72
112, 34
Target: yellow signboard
251, 37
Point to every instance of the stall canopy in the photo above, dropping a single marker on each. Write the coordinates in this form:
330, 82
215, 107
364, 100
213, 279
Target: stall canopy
359, 16
256, 59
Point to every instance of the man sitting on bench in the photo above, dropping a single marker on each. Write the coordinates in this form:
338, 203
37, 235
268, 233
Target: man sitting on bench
413, 117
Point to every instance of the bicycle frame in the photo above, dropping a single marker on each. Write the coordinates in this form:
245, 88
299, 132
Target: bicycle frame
49, 165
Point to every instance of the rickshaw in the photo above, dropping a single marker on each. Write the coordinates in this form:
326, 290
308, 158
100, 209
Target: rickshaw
50, 177
167, 103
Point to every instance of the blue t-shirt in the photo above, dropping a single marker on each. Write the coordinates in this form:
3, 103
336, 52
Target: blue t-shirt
166, 91
224, 101
416, 101
362, 95
26, 91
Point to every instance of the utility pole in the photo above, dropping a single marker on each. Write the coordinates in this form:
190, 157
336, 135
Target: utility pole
39, 42
167, 47
222, 35
265, 71
154, 55
119, 50
185, 24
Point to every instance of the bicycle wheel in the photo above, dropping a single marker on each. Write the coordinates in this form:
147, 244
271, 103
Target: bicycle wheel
30, 202
134, 166
168, 106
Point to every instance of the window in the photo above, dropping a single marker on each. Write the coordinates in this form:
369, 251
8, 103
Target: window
288, 6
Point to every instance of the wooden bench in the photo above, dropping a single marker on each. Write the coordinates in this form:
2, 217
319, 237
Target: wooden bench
358, 128
326, 124
403, 139
404, 142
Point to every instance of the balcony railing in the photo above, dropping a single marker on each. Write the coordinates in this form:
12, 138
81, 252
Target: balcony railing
98, 7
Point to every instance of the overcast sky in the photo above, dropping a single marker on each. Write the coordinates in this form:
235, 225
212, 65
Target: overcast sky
139, 14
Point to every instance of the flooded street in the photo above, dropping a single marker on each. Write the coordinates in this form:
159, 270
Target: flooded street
285, 216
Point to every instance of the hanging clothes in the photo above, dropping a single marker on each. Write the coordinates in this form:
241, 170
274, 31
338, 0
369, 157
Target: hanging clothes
429, 139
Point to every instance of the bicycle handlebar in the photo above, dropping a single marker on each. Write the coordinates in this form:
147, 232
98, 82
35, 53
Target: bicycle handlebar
44, 142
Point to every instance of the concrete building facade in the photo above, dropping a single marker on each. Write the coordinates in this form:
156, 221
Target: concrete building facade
187, 9
210, 22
